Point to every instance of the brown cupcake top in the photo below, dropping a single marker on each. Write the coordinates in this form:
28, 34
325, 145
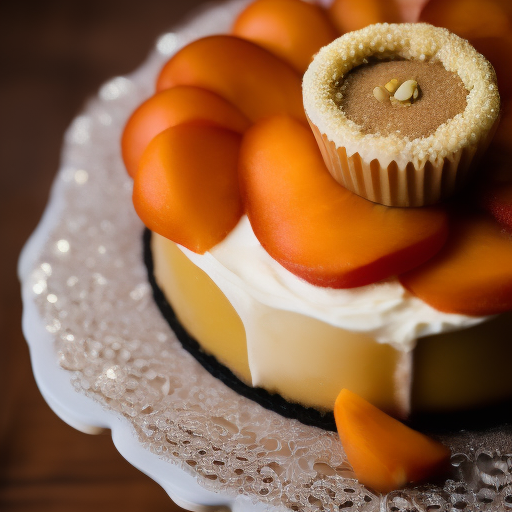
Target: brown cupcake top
441, 95
414, 42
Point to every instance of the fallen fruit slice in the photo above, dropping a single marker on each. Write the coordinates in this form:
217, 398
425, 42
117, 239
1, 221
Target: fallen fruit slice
174, 106
349, 15
186, 187
384, 453
254, 80
316, 228
472, 274
292, 29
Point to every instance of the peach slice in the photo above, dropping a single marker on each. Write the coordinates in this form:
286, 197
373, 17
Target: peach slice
292, 29
469, 18
254, 80
384, 453
186, 187
349, 15
472, 275
171, 107
316, 228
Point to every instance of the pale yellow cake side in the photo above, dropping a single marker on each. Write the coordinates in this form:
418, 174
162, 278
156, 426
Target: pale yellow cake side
312, 360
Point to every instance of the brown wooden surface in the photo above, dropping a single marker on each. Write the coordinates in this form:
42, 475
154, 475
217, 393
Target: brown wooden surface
54, 54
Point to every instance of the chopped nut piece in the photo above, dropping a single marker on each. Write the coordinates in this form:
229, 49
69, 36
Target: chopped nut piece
392, 85
381, 94
397, 103
406, 90
415, 94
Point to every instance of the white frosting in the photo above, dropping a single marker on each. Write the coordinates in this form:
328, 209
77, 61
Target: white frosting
250, 278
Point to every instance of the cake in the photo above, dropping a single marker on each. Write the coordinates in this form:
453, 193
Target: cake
403, 306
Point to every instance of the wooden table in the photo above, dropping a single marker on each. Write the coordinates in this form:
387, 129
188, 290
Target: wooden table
54, 54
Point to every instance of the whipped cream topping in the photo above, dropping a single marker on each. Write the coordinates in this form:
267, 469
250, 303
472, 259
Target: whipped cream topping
249, 277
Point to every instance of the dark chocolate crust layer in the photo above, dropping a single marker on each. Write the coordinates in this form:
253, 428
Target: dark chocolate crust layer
273, 402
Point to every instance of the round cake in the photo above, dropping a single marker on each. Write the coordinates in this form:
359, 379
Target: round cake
293, 282
280, 333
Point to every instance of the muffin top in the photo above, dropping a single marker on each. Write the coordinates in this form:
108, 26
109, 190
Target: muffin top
432, 97
457, 105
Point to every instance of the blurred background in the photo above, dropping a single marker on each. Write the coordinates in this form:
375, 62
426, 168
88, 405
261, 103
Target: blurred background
54, 54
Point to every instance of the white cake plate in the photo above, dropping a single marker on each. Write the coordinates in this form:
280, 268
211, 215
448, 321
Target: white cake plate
91, 148
104, 358
78, 410
89, 416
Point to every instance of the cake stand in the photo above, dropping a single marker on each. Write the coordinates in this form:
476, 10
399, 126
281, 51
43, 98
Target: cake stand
104, 358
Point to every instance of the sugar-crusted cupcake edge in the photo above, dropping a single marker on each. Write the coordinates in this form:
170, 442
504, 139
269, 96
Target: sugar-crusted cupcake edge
412, 41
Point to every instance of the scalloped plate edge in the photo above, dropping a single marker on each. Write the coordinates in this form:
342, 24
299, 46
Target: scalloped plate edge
87, 415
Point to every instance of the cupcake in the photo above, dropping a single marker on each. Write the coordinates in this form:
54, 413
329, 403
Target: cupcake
252, 259
401, 112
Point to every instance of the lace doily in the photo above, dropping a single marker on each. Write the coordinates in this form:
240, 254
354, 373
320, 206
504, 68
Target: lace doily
90, 286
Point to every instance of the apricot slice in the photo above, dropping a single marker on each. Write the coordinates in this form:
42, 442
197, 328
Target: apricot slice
472, 274
316, 228
292, 29
469, 19
171, 107
186, 187
349, 15
254, 80
384, 453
